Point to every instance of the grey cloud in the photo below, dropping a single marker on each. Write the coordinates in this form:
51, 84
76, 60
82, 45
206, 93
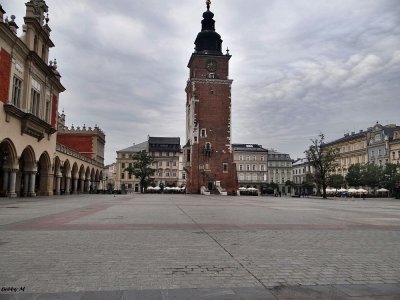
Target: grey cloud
299, 67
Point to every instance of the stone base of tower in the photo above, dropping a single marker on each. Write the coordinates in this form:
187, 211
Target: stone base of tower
208, 173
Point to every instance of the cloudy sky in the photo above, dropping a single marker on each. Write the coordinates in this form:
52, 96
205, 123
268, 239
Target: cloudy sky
299, 67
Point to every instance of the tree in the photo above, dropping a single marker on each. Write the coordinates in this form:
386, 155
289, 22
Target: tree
141, 168
336, 181
324, 161
372, 175
391, 177
354, 176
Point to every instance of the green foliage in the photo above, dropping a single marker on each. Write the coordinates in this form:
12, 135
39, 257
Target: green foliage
141, 168
390, 177
336, 181
324, 161
354, 175
372, 175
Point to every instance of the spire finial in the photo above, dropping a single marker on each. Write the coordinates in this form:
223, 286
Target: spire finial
208, 2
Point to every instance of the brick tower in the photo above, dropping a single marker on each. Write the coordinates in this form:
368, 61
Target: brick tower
208, 157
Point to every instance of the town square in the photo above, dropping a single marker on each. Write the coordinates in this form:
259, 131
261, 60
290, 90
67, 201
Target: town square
161, 246
199, 150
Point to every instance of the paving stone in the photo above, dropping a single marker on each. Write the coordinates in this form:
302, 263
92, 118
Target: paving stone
152, 243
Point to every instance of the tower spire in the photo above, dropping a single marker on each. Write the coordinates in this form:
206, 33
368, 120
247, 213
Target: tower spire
208, 41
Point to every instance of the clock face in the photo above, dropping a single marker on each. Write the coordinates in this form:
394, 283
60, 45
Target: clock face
211, 65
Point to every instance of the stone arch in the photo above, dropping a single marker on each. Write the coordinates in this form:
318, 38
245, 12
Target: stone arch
8, 168
92, 180
57, 176
26, 176
81, 179
74, 178
43, 182
87, 179
66, 177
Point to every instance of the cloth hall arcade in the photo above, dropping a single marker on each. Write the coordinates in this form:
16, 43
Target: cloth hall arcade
39, 155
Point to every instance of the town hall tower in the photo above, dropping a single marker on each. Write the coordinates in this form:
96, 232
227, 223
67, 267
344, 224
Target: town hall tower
208, 156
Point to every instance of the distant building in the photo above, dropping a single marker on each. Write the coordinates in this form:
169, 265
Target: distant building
109, 176
167, 155
378, 145
303, 177
380, 138
251, 164
280, 170
394, 147
89, 142
123, 180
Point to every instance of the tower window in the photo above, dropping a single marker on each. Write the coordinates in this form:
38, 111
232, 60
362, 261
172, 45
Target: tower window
203, 133
211, 75
225, 167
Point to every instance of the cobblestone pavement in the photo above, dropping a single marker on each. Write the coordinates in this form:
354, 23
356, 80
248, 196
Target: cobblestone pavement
162, 246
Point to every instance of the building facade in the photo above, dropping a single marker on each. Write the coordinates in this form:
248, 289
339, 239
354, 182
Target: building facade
251, 162
280, 170
208, 156
31, 161
379, 139
303, 177
378, 145
394, 146
167, 155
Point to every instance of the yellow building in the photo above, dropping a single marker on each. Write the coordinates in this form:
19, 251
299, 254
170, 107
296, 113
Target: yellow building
31, 161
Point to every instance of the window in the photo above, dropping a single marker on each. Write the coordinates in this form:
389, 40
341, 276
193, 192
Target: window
203, 133
47, 111
240, 167
241, 176
129, 175
16, 92
173, 174
122, 175
262, 167
211, 75
35, 102
168, 163
247, 167
240, 157
262, 158
188, 156
225, 167
247, 157
174, 163
254, 157
160, 163
183, 175
254, 167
